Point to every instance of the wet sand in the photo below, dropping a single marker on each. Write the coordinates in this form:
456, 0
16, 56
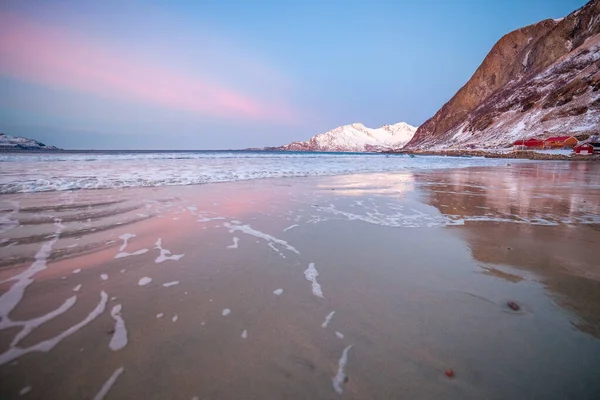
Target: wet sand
360, 287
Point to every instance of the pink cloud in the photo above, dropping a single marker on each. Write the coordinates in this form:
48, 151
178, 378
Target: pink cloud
60, 58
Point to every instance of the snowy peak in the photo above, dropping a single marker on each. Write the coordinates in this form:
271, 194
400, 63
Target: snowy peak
399, 129
357, 137
8, 142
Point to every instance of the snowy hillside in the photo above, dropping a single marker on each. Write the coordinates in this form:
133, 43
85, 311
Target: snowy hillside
20, 143
357, 137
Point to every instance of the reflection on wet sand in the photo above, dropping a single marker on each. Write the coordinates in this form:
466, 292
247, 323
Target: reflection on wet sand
565, 260
391, 185
563, 255
539, 193
288, 289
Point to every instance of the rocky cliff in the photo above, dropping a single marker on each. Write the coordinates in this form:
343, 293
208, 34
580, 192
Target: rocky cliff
357, 137
540, 80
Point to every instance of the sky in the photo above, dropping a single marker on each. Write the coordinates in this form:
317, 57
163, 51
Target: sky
232, 74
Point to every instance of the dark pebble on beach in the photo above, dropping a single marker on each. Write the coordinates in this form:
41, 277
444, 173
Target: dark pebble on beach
513, 306
449, 373
346, 379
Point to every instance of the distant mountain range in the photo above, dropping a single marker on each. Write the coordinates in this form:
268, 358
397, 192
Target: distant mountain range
8, 142
538, 81
357, 138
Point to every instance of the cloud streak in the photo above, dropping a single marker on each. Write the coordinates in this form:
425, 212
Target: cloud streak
57, 57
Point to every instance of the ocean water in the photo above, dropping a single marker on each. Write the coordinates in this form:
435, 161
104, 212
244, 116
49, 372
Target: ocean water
35, 172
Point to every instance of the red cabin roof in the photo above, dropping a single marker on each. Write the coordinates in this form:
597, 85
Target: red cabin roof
557, 138
529, 142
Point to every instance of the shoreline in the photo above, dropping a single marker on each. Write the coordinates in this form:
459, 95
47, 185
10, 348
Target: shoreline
514, 154
489, 153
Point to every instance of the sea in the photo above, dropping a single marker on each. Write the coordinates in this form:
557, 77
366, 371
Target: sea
41, 172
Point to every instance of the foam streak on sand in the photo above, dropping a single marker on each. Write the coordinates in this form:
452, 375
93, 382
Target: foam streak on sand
144, 281
403, 219
125, 237
338, 379
311, 275
235, 243
12, 297
47, 345
291, 227
165, 254
108, 384
249, 231
25, 390
206, 219
169, 284
275, 249
327, 319
28, 326
119, 339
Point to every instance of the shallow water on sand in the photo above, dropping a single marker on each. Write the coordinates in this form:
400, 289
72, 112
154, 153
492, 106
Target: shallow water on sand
365, 286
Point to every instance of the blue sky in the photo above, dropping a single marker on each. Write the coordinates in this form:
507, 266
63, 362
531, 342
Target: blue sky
236, 74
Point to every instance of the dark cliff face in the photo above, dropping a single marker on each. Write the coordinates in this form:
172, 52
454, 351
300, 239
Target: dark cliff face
510, 68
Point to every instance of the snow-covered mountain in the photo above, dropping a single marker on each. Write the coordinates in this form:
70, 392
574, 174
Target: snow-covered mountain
357, 137
8, 142
538, 81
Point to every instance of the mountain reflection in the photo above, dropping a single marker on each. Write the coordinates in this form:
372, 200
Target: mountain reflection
388, 184
540, 193
559, 243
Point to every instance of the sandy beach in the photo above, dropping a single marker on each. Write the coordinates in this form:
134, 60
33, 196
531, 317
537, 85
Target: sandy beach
362, 286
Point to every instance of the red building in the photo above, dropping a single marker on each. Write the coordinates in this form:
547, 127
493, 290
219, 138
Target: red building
584, 148
530, 143
560, 141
